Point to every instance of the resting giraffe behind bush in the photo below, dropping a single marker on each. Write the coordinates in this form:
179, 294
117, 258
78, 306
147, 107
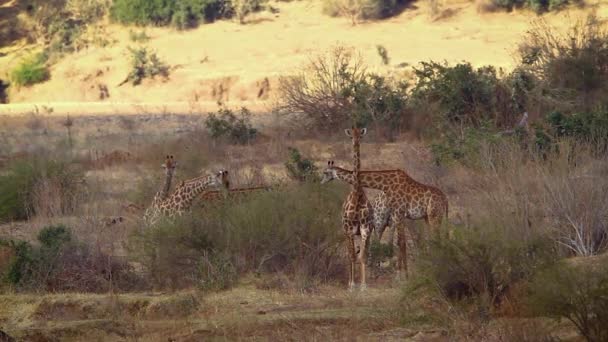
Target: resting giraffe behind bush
169, 165
183, 196
405, 199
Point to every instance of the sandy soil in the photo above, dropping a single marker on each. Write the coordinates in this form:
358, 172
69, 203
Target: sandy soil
235, 63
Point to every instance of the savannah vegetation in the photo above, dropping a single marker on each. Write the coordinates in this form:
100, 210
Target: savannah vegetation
527, 193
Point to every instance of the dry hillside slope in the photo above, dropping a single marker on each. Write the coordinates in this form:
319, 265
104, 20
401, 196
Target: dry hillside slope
238, 63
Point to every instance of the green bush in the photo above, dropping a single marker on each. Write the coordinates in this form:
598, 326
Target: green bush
32, 70
181, 13
145, 64
464, 95
483, 263
291, 230
465, 146
300, 169
379, 102
60, 263
21, 183
591, 127
578, 293
226, 124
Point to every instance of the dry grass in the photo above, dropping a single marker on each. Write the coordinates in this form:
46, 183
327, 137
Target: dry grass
240, 313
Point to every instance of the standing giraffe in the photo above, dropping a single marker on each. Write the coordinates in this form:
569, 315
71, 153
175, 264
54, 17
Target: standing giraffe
356, 214
181, 199
404, 199
169, 165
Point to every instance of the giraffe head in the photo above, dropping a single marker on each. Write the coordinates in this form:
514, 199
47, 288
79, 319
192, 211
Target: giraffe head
329, 173
355, 133
224, 179
169, 165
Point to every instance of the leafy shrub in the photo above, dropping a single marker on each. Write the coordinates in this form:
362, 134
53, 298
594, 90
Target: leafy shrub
142, 12
32, 187
31, 71
376, 101
217, 272
463, 95
464, 146
362, 9
300, 169
173, 252
591, 127
145, 64
292, 230
226, 124
60, 263
578, 293
181, 13
539, 6
482, 262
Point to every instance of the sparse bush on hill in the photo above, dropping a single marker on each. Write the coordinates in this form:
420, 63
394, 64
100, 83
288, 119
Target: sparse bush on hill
576, 292
226, 124
32, 70
572, 67
539, 6
145, 64
357, 10
335, 91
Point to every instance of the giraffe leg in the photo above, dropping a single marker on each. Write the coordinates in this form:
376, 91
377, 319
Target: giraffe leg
402, 258
365, 235
350, 243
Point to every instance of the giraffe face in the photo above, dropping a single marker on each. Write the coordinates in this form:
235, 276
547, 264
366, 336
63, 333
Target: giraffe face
329, 173
219, 179
355, 133
170, 164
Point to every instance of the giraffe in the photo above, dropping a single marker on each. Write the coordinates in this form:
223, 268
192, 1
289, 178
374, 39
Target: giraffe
404, 198
356, 214
181, 199
169, 165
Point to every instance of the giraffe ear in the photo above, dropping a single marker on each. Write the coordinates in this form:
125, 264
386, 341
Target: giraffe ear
363, 131
348, 132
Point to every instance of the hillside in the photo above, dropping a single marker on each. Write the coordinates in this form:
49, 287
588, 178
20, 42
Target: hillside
235, 63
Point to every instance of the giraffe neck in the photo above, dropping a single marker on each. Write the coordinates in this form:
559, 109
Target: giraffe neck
356, 163
379, 180
164, 191
187, 192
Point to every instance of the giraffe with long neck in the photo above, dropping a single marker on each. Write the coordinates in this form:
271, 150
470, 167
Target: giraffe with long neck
169, 165
404, 197
181, 199
356, 214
